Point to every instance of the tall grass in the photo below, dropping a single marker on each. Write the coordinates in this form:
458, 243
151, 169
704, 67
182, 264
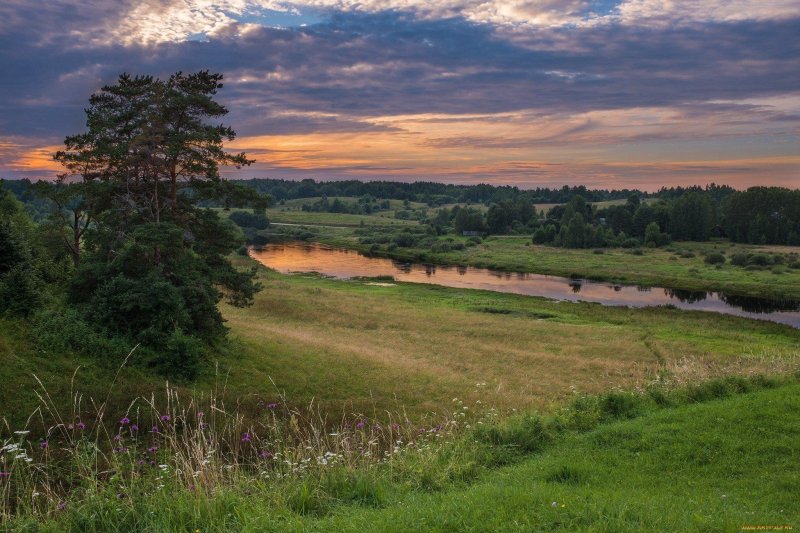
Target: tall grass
193, 444
185, 458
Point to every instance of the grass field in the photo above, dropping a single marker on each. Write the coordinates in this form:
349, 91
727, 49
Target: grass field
358, 347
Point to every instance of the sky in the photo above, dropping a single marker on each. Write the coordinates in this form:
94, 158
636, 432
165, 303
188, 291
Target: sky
604, 93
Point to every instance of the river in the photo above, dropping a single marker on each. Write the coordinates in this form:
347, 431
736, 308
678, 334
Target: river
346, 264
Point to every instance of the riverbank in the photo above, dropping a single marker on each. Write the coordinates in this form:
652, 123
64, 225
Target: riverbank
681, 265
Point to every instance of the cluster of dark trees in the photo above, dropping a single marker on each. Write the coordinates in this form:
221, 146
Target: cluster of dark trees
430, 193
364, 205
759, 215
140, 261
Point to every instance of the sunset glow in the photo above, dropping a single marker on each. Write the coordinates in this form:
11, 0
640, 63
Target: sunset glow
625, 93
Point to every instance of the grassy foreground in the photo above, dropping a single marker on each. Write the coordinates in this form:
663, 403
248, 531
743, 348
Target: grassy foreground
721, 456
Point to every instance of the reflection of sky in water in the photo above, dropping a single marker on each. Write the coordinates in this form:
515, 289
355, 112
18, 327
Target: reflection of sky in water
345, 264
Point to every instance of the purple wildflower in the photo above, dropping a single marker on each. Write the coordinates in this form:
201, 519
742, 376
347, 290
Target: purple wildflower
272, 406
246, 437
154, 429
4, 474
43, 444
134, 428
81, 426
201, 414
120, 449
165, 418
125, 421
360, 424
265, 454
117, 437
61, 506
152, 449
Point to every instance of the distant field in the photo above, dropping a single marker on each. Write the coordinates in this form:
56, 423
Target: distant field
680, 265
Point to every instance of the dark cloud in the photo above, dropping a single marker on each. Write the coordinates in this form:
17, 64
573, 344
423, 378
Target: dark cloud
337, 75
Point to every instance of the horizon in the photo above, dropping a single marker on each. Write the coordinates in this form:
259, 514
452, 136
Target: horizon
610, 94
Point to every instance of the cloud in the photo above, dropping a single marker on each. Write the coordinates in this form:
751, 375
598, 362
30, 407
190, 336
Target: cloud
444, 87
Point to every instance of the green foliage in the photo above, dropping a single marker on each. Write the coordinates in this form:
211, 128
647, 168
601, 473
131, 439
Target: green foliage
691, 217
249, 220
763, 215
715, 258
152, 265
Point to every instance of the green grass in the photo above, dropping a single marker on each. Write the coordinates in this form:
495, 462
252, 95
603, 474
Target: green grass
713, 457
709, 467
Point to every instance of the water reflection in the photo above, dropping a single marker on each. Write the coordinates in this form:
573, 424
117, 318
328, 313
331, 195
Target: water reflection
686, 296
305, 257
759, 305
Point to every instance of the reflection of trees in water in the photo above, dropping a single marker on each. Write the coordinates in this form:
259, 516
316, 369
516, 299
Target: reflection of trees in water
575, 286
461, 269
641, 288
685, 296
759, 305
405, 268
430, 270
617, 288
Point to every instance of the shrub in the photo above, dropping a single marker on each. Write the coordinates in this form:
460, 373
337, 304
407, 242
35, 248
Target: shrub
739, 259
245, 219
759, 259
598, 251
715, 258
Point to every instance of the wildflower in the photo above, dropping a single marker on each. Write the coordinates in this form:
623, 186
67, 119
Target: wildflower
265, 454
61, 506
70, 427
246, 437
200, 414
272, 406
360, 424
165, 418
125, 421
81, 426
120, 449
4, 474
134, 428
117, 437
554, 504
154, 429
43, 444
152, 449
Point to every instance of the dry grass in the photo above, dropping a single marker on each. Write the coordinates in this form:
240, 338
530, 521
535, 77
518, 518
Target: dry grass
362, 346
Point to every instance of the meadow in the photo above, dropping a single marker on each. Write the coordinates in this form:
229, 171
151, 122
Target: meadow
331, 355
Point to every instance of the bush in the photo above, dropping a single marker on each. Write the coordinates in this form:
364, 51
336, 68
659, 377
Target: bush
739, 259
245, 219
759, 259
180, 357
598, 251
21, 290
715, 258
